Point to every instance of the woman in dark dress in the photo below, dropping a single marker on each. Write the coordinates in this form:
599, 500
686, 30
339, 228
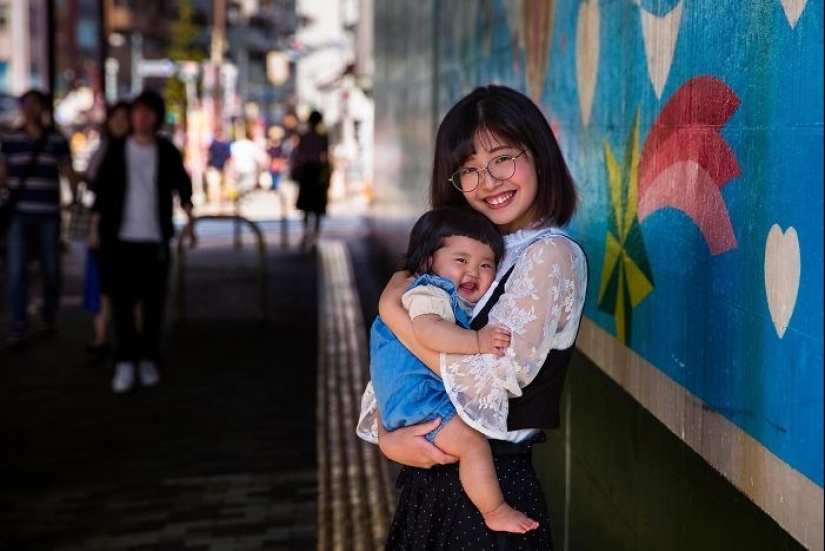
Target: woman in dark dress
495, 153
311, 170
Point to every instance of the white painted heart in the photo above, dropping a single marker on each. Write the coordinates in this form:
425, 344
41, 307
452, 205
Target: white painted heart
660, 34
782, 270
587, 55
793, 10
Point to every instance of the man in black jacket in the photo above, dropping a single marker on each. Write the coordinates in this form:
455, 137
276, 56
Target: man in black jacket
132, 226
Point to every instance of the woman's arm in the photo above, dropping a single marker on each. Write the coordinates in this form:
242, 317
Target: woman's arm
406, 445
398, 320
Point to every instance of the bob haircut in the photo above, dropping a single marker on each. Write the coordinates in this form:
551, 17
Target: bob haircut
513, 118
430, 231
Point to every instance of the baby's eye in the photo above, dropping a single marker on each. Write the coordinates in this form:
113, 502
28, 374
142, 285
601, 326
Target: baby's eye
462, 260
488, 266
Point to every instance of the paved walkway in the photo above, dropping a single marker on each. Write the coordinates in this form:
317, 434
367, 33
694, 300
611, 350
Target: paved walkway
246, 444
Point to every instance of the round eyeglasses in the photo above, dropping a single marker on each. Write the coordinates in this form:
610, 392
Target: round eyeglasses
467, 179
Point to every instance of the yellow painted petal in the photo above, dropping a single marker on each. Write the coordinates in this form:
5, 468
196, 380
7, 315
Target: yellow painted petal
632, 176
638, 285
614, 178
612, 250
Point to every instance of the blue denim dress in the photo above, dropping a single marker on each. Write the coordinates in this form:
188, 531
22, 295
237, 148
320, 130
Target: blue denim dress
406, 390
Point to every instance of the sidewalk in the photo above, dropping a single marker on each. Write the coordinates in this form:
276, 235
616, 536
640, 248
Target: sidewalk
223, 454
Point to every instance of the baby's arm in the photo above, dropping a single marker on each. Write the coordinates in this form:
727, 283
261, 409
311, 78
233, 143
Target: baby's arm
436, 333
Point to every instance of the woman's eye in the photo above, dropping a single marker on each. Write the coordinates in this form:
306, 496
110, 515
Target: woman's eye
502, 159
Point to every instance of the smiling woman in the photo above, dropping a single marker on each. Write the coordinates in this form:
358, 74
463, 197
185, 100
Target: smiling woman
495, 155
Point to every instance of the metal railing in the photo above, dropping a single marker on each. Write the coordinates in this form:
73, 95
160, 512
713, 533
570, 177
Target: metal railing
262, 274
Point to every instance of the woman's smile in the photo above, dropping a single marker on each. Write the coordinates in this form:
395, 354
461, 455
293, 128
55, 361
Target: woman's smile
500, 200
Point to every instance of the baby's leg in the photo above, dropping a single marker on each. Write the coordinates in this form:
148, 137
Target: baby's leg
478, 477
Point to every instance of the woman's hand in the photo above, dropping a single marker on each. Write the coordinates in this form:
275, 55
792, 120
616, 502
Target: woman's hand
188, 234
408, 446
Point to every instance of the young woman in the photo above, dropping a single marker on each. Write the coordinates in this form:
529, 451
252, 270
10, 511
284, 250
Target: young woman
496, 153
96, 298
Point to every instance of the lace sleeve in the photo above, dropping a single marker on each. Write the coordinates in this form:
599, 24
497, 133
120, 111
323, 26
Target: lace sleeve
367, 428
542, 305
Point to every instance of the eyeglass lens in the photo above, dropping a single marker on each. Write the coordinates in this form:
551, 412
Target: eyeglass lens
500, 168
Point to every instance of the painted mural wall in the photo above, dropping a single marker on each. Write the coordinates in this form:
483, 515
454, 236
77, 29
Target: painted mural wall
694, 130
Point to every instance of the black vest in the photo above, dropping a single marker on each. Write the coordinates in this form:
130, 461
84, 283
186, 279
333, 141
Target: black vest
538, 406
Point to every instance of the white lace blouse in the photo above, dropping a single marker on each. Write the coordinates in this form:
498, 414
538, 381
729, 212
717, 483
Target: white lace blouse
542, 305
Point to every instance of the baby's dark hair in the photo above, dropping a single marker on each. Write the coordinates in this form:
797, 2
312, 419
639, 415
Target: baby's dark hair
430, 231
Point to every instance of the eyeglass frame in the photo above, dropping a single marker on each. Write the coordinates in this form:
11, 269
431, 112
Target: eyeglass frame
478, 172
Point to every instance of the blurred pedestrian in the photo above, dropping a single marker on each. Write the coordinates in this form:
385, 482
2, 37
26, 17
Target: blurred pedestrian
311, 170
96, 293
217, 158
277, 158
32, 159
248, 160
278, 155
132, 226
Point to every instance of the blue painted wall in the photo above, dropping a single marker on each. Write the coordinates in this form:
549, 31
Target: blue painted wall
694, 130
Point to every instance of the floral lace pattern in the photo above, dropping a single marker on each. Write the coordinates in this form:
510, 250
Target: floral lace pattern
542, 305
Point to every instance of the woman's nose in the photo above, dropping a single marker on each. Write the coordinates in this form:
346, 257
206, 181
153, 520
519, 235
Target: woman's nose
488, 180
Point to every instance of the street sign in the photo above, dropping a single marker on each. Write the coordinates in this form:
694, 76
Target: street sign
156, 67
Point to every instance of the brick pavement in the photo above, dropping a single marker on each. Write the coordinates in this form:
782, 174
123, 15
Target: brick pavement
221, 455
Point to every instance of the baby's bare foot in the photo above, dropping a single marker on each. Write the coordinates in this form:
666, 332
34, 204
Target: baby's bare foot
506, 519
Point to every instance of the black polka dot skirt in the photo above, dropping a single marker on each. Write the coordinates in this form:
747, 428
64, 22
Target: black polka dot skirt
435, 514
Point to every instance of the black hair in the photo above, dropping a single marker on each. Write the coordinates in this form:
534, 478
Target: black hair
315, 118
44, 98
512, 117
113, 108
154, 101
434, 226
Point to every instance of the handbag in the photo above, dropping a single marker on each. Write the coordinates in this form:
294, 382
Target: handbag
80, 217
10, 197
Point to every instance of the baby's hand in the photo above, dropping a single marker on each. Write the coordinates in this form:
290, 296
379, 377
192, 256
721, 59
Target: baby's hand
493, 340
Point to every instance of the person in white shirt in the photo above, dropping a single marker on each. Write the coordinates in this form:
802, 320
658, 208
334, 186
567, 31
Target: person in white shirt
132, 227
247, 161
